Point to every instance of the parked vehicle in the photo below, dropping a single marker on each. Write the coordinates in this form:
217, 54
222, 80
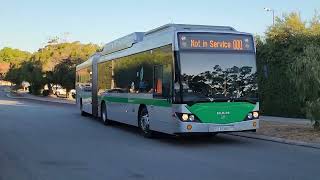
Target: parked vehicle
73, 93
61, 92
54, 89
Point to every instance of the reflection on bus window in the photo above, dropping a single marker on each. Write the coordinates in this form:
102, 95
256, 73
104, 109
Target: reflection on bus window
84, 79
208, 76
135, 73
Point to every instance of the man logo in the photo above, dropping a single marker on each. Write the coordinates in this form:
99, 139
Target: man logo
223, 113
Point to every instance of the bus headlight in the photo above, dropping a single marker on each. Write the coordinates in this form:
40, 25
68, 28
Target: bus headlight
252, 115
191, 117
187, 117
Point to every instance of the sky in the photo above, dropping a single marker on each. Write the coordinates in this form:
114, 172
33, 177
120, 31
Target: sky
28, 24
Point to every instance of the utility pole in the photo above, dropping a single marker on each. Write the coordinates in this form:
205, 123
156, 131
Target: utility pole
272, 11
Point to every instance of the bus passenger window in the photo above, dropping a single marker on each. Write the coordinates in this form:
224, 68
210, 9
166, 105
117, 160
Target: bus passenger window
158, 88
158, 80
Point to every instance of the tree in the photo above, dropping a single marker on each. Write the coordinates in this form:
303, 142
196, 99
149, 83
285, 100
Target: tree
32, 73
306, 74
49, 80
53, 54
13, 56
4, 68
64, 73
315, 25
14, 76
10, 59
288, 25
280, 53
29, 71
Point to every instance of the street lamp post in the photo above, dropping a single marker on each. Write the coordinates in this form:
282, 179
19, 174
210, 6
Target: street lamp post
270, 10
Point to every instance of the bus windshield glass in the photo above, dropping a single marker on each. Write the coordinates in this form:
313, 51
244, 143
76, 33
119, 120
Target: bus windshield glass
211, 76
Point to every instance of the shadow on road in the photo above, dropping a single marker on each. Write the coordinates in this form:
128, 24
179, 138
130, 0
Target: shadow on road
194, 140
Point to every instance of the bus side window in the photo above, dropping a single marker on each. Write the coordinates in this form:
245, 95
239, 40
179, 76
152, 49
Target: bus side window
162, 81
157, 81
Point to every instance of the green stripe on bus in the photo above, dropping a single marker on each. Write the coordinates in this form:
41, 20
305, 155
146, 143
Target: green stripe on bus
155, 102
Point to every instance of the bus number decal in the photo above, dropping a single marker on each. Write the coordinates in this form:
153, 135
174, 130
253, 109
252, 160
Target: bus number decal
237, 45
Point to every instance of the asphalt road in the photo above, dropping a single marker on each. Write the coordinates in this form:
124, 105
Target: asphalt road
50, 141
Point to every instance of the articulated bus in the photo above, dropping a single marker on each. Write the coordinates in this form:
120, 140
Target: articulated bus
176, 79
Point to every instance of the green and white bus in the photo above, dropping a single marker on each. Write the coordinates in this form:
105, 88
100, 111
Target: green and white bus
176, 79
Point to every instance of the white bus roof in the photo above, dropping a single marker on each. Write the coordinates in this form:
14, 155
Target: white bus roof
143, 41
88, 62
136, 37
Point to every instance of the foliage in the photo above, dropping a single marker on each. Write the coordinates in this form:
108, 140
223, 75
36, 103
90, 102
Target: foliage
38, 68
286, 27
305, 71
4, 67
32, 73
49, 80
53, 54
64, 73
287, 44
28, 71
13, 56
45, 93
14, 75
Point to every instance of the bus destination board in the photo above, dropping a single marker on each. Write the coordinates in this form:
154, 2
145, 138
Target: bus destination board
217, 42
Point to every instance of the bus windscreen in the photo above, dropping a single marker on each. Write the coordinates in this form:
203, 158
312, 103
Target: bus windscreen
216, 42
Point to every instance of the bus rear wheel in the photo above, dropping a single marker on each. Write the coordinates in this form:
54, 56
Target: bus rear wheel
144, 123
104, 115
81, 109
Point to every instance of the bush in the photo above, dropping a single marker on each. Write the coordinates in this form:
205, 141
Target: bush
278, 93
35, 90
305, 71
288, 70
313, 113
45, 93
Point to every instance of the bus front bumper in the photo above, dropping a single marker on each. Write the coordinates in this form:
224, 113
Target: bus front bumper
192, 127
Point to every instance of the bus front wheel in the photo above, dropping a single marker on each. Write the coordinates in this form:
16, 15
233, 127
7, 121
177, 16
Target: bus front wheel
144, 122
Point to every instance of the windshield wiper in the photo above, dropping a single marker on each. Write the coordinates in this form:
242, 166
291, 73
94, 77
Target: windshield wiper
232, 99
245, 99
219, 99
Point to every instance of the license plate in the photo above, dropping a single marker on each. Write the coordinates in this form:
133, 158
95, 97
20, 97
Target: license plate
221, 128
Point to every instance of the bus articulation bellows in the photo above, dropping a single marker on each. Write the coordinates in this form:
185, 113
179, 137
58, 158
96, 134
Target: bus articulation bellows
175, 79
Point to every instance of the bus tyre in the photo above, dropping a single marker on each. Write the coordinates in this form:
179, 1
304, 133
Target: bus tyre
81, 109
104, 116
144, 123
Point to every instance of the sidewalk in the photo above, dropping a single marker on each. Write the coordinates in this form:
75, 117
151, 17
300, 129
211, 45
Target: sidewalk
286, 120
51, 98
294, 131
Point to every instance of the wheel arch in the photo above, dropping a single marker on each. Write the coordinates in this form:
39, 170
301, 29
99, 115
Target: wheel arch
102, 103
140, 108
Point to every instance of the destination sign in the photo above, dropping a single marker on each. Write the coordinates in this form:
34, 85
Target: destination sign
217, 42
